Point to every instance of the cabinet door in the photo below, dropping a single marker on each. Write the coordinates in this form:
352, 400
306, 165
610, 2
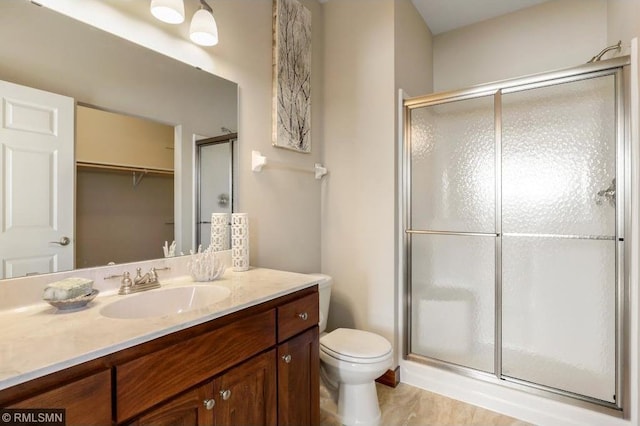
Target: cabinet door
193, 408
298, 380
86, 401
246, 395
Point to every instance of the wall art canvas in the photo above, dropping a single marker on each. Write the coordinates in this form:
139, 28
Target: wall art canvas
291, 75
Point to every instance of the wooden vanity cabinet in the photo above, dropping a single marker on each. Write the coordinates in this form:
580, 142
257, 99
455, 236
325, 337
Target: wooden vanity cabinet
258, 366
87, 401
299, 362
188, 409
245, 395
298, 380
160, 375
280, 386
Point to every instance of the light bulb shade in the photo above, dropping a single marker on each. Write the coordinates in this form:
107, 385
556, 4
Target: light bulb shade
169, 11
203, 30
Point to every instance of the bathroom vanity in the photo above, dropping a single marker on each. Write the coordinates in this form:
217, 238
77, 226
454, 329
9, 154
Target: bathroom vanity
250, 359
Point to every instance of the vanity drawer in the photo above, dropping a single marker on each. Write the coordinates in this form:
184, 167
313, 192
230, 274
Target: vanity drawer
150, 379
86, 401
297, 316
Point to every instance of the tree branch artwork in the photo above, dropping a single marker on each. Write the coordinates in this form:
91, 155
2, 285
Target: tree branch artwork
291, 75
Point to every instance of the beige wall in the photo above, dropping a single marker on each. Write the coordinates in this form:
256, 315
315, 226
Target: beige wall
413, 50
551, 35
283, 204
372, 48
358, 195
106, 137
119, 222
623, 22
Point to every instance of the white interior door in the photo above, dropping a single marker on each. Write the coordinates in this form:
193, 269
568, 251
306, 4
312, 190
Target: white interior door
36, 181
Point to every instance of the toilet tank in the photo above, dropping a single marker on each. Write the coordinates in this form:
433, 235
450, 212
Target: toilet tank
324, 291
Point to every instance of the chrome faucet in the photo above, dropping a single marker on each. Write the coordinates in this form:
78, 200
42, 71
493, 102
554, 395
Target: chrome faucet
146, 281
141, 282
141, 279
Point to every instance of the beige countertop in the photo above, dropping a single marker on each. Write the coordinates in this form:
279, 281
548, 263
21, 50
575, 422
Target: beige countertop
38, 339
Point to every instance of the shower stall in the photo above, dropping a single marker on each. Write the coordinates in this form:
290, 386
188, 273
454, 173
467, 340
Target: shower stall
515, 205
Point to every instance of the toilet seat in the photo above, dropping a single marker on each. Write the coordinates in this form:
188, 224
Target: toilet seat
355, 346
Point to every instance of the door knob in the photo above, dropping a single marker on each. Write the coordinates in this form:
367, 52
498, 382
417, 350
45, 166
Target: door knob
225, 394
209, 404
286, 358
64, 241
303, 316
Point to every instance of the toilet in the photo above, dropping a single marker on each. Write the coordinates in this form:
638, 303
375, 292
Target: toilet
352, 359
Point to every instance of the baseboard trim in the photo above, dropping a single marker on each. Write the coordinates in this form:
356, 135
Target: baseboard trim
390, 378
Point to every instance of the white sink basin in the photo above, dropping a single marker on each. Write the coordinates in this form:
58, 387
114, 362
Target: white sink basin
168, 301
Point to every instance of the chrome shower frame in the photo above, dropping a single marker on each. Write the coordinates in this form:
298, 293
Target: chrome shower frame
619, 67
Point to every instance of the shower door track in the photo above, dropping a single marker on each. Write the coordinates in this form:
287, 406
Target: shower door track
617, 67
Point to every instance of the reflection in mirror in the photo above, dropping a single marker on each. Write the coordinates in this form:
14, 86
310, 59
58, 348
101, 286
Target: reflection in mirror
129, 162
214, 162
81, 66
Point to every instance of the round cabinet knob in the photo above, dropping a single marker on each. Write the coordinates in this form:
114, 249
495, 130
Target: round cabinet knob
286, 358
303, 316
225, 394
209, 404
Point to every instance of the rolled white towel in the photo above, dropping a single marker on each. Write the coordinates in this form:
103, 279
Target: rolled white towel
68, 288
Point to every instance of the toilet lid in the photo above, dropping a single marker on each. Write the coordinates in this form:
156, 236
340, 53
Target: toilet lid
355, 345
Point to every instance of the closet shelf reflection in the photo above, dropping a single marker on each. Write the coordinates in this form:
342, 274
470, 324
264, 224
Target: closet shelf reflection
138, 172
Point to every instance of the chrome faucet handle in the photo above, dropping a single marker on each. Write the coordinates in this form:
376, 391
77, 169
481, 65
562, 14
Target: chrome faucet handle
140, 279
153, 275
126, 284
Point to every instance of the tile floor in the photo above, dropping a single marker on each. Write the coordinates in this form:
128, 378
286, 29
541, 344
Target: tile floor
409, 406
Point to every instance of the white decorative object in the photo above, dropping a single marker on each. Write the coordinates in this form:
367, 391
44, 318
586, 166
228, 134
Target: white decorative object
257, 161
169, 250
206, 266
220, 231
240, 241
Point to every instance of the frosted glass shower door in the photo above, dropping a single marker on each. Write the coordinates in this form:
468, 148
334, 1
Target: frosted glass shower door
452, 232
559, 236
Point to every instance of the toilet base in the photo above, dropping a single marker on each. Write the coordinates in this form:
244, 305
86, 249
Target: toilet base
358, 404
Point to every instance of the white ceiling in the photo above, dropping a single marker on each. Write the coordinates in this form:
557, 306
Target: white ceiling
446, 15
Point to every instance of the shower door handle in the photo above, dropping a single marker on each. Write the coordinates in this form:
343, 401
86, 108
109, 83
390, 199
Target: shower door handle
608, 194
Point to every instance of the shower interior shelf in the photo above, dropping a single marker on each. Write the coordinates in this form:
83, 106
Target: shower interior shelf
258, 161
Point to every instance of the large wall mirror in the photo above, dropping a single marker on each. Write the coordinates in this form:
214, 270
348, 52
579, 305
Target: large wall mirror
98, 145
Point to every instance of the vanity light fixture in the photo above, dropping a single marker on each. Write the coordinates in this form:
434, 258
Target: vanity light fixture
203, 29
169, 11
